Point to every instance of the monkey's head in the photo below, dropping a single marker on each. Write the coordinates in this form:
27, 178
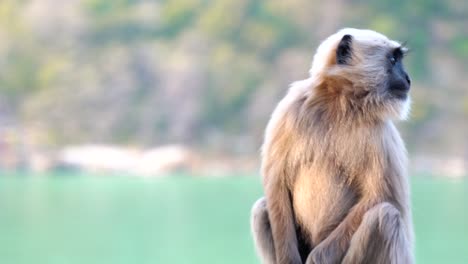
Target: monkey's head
365, 69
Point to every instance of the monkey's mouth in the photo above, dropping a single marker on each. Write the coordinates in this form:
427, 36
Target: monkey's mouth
401, 95
400, 91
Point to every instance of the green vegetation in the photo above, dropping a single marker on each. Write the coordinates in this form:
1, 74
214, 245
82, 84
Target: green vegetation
146, 72
117, 220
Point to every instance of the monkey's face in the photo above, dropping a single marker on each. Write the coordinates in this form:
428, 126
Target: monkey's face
398, 82
367, 68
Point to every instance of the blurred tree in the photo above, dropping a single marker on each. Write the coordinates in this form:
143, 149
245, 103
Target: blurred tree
208, 73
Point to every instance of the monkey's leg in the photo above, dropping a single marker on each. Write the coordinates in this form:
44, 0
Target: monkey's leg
381, 238
261, 230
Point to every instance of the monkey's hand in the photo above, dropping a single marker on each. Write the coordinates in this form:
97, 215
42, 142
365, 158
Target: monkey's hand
333, 248
327, 252
293, 258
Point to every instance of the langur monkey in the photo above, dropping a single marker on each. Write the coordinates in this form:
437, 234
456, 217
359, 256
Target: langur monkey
333, 163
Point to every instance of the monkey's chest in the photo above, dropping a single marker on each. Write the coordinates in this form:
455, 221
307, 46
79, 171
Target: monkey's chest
320, 203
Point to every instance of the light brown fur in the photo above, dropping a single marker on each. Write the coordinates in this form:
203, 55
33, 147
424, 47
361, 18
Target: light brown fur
334, 168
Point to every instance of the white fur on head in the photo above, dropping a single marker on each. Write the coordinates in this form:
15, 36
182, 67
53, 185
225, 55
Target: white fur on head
328, 46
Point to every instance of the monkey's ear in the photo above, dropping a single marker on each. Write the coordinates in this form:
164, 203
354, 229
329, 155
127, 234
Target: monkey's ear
344, 50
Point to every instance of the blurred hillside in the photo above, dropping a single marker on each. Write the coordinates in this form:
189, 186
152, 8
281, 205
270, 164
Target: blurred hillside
207, 74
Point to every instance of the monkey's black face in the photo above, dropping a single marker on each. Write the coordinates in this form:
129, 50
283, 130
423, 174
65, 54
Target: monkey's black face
398, 83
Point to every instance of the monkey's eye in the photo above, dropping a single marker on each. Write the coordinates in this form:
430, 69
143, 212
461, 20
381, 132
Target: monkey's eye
396, 55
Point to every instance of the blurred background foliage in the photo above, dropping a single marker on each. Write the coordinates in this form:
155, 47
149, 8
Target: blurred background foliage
184, 88
207, 74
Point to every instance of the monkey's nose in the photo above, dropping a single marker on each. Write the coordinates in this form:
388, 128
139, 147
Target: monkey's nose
407, 78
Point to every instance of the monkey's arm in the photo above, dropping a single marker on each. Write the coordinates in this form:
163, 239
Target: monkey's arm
278, 173
281, 220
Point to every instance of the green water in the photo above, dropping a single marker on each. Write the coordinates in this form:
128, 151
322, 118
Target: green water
77, 219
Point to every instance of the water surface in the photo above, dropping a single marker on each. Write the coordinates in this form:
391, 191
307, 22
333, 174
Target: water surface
127, 220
